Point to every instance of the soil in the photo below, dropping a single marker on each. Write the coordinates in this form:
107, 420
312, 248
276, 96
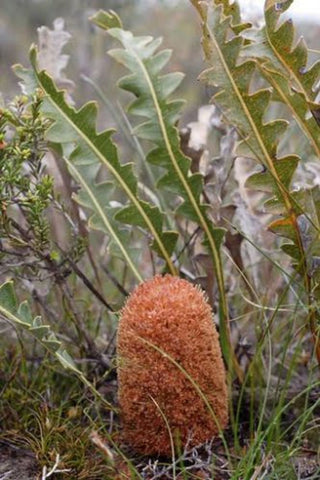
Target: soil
17, 464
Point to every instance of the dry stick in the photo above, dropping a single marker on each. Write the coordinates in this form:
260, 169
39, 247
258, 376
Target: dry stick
89, 285
312, 320
53, 267
50, 313
67, 336
188, 241
54, 469
115, 282
12, 376
79, 324
65, 291
61, 282
11, 252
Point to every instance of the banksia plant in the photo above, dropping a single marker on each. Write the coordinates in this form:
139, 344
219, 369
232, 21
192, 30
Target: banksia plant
172, 385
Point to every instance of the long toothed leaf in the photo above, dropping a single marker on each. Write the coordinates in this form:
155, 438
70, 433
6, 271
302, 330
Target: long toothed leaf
233, 77
284, 67
152, 101
292, 56
95, 150
151, 91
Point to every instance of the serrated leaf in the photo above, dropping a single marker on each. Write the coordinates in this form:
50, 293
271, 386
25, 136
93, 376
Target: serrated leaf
291, 250
230, 10
292, 55
296, 78
276, 207
283, 227
94, 150
169, 240
233, 77
151, 91
315, 197
309, 225
263, 181
269, 47
28, 83
21, 315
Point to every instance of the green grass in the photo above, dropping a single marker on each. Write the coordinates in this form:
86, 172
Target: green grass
48, 412
273, 431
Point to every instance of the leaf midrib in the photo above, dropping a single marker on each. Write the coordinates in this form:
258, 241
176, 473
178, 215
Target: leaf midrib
114, 172
303, 125
194, 203
281, 59
251, 122
104, 218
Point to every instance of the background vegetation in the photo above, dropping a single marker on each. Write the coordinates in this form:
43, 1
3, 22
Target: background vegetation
69, 265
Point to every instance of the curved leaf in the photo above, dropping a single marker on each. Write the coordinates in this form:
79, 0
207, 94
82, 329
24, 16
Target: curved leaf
283, 66
292, 57
292, 83
259, 140
152, 90
93, 150
21, 315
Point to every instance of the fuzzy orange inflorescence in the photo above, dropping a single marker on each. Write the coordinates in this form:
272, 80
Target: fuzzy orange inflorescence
166, 338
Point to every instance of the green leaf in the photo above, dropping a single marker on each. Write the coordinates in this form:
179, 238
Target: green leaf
66, 360
160, 113
151, 91
232, 76
230, 10
272, 47
41, 331
293, 56
232, 79
8, 299
93, 151
265, 182
52, 343
106, 20
283, 227
21, 315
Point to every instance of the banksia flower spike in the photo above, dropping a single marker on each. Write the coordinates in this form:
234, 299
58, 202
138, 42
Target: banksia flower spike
171, 374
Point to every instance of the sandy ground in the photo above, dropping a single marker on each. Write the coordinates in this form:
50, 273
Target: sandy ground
17, 464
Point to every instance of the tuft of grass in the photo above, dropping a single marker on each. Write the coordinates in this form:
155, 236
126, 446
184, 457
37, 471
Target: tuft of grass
48, 413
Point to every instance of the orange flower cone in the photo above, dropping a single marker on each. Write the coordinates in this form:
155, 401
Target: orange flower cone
171, 374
